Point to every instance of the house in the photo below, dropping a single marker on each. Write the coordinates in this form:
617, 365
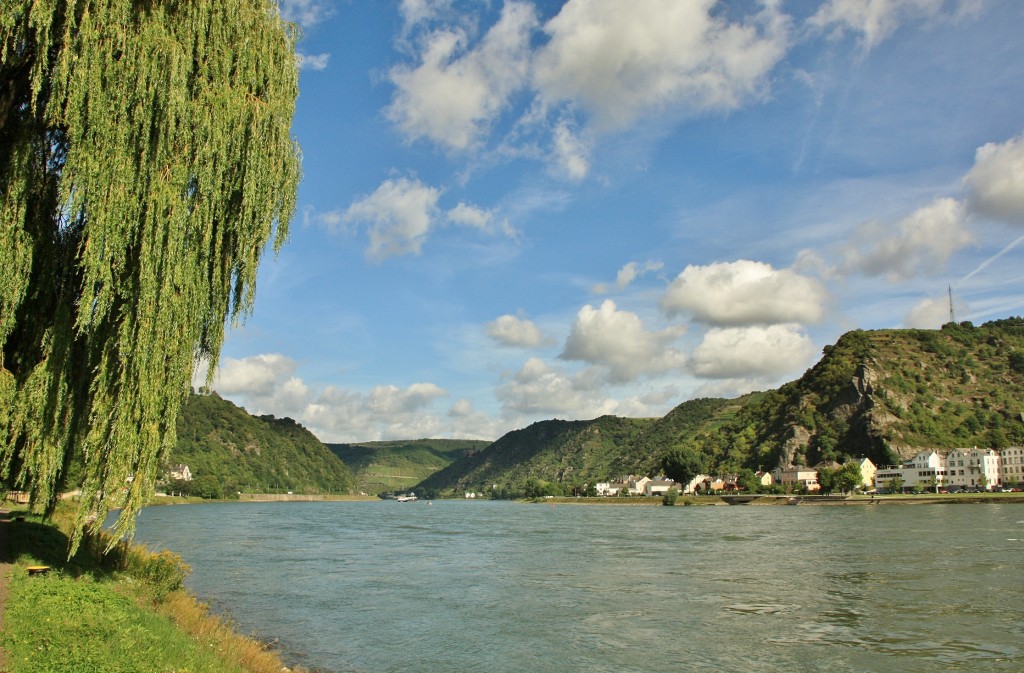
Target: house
973, 468
867, 472
764, 478
639, 486
927, 469
694, 484
179, 472
1011, 469
659, 487
797, 477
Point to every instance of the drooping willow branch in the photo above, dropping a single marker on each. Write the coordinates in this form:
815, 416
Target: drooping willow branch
146, 161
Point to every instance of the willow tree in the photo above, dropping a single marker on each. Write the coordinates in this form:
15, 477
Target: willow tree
146, 162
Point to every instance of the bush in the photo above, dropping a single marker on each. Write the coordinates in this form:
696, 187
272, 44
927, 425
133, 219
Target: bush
670, 497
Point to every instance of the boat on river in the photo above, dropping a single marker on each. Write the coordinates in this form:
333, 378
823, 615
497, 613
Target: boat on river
411, 497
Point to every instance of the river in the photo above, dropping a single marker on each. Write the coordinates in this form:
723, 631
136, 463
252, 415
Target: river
499, 587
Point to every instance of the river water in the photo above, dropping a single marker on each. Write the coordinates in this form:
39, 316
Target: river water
453, 587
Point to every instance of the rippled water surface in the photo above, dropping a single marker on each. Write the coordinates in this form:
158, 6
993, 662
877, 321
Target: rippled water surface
500, 587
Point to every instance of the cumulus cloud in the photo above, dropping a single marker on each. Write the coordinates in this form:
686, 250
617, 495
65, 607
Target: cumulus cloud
618, 341
306, 13
876, 20
456, 91
258, 375
745, 292
539, 391
400, 214
620, 60
510, 330
995, 184
920, 243
267, 384
313, 62
627, 274
752, 352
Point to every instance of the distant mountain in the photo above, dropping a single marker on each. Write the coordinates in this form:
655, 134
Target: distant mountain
566, 452
386, 467
249, 453
880, 394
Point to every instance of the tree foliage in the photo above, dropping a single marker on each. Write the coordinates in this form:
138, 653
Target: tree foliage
147, 162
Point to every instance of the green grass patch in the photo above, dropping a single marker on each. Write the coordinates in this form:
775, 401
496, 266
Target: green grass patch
56, 623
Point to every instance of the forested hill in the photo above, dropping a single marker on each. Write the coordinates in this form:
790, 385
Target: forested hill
384, 467
563, 452
248, 453
883, 394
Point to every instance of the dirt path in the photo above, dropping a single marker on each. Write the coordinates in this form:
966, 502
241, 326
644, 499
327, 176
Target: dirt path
5, 569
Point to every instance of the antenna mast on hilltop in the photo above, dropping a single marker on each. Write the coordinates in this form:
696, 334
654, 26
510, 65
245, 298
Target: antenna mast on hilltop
952, 316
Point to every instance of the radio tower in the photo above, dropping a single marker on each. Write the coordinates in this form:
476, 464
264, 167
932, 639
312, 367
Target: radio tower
952, 315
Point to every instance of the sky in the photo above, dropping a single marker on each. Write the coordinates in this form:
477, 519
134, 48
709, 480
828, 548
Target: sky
526, 210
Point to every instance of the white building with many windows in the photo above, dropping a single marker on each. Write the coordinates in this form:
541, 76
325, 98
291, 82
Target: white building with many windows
1011, 468
959, 468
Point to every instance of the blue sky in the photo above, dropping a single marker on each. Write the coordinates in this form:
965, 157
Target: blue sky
517, 211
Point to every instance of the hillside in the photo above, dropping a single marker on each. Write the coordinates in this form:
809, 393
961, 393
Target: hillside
249, 453
570, 453
882, 394
885, 394
384, 467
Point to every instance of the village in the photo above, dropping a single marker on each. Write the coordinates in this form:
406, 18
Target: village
954, 471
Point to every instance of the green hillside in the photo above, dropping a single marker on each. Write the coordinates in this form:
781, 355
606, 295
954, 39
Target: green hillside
885, 394
219, 440
882, 394
568, 453
385, 467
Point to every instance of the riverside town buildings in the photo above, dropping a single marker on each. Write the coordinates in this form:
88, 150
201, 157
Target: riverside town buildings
959, 468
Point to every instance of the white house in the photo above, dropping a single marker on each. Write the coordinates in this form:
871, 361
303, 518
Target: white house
926, 469
180, 472
659, 487
1011, 469
973, 468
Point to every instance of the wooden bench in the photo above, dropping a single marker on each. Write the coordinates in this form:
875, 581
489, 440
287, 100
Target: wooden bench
37, 570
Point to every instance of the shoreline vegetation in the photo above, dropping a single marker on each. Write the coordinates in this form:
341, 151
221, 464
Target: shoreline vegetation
138, 616
114, 606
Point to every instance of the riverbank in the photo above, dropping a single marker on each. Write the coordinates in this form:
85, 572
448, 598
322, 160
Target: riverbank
816, 500
123, 610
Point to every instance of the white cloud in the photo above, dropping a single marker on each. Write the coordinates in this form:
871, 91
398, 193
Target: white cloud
876, 20
920, 243
621, 60
627, 274
306, 13
510, 330
745, 292
752, 352
468, 215
617, 340
995, 183
455, 93
929, 313
259, 375
418, 11
572, 153
539, 391
400, 214
313, 62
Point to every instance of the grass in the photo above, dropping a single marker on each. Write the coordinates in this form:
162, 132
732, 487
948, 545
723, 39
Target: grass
120, 612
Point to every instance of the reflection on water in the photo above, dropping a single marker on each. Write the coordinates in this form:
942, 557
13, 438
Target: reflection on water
499, 587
